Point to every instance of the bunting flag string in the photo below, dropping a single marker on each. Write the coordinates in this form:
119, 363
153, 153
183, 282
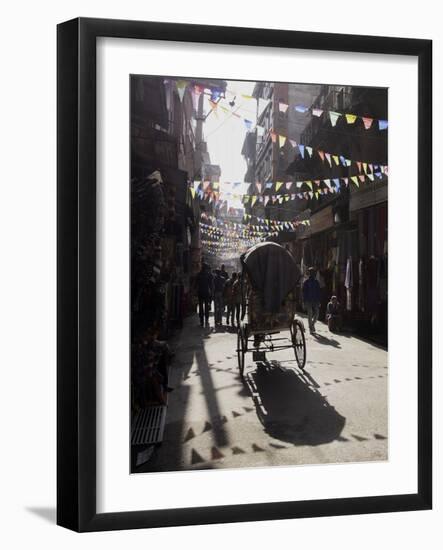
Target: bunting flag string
251, 230
366, 167
334, 116
216, 95
246, 217
333, 159
313, 188
298, 189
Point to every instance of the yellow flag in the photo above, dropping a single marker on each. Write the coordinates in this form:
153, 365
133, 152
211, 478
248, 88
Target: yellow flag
309, 184
350, 119
278, 184
281, 140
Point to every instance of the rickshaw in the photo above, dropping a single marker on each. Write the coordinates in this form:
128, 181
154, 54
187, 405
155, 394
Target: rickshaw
269, 277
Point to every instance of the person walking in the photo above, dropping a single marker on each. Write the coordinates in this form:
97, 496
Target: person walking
227, 298
225, 276
311, 298
219, 285
236, 300
205, 291
223, 272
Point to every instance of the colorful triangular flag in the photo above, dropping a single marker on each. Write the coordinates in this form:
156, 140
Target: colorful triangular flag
350, 119
333, 116
301, 108
367, 122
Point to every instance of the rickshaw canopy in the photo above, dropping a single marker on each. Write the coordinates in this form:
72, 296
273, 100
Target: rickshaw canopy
272, 271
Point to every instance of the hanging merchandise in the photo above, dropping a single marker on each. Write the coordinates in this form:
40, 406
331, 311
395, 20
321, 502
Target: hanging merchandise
349, 283
181, 88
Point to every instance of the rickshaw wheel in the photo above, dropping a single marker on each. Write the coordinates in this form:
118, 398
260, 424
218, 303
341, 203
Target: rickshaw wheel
241, 350
298, 342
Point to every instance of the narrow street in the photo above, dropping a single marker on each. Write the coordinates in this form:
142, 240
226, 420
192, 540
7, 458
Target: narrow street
336, 411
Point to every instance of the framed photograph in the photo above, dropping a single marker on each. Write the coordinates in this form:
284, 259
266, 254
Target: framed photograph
244, 274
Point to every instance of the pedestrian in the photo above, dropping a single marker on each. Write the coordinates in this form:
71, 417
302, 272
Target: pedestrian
219, 285
236, 299
225, 276
205, 290
311, 298
223, 272
333, 314
227, 298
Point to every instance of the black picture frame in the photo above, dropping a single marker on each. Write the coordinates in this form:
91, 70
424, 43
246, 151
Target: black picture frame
76, 266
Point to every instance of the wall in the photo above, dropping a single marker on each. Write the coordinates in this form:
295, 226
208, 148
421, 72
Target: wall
27, 218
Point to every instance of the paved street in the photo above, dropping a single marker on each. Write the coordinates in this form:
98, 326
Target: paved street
334, 412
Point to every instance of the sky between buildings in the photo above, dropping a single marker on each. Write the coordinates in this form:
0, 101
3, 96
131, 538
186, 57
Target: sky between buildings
225, 134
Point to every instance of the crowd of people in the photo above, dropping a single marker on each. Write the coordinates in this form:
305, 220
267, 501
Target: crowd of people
223, 290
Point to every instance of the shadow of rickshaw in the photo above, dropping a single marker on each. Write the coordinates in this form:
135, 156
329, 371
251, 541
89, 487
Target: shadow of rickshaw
291, 408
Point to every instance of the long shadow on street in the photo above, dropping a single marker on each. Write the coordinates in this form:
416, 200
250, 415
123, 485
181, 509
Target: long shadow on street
291, 408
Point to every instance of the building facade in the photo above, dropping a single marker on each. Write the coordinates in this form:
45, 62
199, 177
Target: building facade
347, 238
